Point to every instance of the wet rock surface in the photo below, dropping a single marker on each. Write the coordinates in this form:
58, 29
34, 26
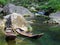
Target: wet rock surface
11, 8
17, 21
55, 17
1, 9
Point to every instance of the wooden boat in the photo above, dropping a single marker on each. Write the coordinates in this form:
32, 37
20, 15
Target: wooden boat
9, 34
28, 34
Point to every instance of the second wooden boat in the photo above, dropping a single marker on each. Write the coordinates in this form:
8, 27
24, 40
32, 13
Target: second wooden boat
28, 34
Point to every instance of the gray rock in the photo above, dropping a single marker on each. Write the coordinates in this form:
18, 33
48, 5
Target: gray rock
55, 17
17, 21
1, 9
10, 8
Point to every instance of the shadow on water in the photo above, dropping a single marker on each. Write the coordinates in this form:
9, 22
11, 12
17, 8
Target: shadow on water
31, 41
35, 41
10, 42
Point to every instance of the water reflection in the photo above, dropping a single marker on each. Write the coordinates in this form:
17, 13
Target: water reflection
51, 36
10, 41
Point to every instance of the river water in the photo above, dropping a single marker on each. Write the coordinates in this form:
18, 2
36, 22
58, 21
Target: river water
51, 35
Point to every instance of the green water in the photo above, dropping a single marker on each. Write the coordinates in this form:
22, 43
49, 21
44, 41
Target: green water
51, 35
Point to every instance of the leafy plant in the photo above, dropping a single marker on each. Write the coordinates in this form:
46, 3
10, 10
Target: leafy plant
3, 2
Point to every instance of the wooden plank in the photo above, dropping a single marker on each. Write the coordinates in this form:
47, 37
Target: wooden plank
30, 35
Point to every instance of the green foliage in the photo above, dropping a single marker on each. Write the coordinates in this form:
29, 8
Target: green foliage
51, 3
43, 4
55, 4
3, 2
26, 15
47, 18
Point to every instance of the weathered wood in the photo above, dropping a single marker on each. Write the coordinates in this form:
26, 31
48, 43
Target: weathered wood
30, 35
9, 34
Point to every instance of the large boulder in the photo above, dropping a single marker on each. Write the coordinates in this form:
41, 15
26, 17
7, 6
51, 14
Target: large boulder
17, 21
55, 17
11, 8
1, 9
